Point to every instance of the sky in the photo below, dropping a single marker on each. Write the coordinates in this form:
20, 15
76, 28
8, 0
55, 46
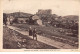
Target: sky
59, 7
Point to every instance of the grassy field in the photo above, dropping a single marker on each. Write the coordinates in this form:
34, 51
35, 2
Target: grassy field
15, 40
52, 32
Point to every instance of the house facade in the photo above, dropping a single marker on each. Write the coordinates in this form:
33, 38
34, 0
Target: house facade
10, 20
22, 20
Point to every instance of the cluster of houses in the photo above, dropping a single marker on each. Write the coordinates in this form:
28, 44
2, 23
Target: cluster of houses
42, 17
34, 20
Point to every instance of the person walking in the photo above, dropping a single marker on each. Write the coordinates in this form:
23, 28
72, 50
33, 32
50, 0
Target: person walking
34, 34
30, 31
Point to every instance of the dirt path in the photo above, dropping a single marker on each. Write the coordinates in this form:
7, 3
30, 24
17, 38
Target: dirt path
45, 40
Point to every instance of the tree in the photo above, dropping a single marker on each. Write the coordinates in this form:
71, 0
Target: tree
4, 18
31, 21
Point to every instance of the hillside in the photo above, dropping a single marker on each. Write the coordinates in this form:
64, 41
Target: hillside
20, 14
72, 17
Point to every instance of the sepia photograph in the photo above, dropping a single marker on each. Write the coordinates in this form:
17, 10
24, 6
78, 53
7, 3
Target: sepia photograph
40, 24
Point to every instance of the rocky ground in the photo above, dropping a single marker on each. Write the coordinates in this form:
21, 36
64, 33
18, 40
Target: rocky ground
15, 40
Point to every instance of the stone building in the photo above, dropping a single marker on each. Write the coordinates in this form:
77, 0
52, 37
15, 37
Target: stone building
10, 20
47, 11
37, 20
22, 19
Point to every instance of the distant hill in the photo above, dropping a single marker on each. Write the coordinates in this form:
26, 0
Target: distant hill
46, 17
20, 14
72, 17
